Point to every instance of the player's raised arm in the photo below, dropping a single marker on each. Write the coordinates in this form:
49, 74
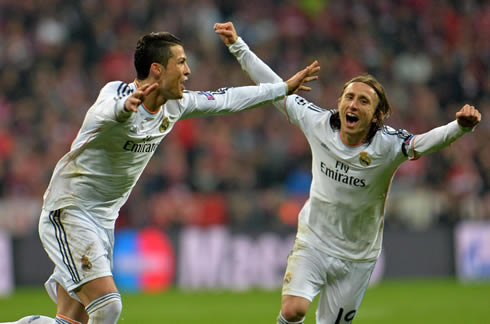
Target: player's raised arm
258, 71
466, 120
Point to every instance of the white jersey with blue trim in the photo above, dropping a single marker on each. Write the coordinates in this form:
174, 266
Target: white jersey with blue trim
114, 146
344, 214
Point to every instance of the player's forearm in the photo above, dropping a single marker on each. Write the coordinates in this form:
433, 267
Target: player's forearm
258, 71
242, 98
231, 100
436, 139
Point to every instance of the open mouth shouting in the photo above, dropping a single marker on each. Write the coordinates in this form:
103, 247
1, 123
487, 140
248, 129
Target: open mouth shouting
182, 83
351, 119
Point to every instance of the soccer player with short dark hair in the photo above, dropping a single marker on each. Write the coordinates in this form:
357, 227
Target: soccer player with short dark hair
119, 135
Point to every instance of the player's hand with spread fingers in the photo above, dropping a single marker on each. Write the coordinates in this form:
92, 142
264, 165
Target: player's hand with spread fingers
227, 32
137, 97
297, 81
468, 116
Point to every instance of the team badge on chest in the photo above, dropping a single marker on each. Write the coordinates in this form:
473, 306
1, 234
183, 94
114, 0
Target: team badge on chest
364, 159
164, 125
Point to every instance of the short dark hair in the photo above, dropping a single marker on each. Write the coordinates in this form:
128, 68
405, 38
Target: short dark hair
151, 48
383, 109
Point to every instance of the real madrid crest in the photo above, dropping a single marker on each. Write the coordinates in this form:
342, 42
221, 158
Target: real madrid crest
364, 159
164, 125
287, 278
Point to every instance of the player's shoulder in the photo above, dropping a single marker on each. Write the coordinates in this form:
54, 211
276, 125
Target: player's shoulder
176, 107
301, 102
118, 88
391, 133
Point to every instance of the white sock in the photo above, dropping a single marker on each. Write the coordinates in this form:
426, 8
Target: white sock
105, 309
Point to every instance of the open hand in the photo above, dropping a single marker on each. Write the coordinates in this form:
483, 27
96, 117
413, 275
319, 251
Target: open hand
227, 32
137, 97
297, 81
468, 116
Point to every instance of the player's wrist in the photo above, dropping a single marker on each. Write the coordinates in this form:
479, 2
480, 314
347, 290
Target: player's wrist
465, 128
287, 88
237, 45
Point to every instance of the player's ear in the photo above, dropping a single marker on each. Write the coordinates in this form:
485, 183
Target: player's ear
378, 116
156, 69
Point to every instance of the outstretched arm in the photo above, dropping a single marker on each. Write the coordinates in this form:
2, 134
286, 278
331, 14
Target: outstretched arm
231, 100
258, 71
466, 120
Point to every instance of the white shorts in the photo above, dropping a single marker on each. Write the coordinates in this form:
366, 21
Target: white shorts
80, 249
341, 283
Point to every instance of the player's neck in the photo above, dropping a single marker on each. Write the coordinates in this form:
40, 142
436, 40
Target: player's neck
154, 100
352, 139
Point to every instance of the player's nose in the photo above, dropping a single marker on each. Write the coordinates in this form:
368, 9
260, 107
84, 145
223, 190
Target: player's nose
352, 105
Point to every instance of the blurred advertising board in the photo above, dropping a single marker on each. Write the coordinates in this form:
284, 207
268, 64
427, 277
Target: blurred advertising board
6, 264
214, 257
143, 260
472, 250
197, 258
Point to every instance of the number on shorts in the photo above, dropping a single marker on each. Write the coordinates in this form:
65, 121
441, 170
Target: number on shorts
349, 316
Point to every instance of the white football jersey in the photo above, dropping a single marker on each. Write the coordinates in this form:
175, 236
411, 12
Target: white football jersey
345, 212
113, 146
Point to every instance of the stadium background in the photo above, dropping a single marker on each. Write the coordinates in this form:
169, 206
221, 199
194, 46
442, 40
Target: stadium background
221, 195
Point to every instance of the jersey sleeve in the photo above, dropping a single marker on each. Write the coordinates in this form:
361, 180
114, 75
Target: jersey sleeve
300, 111
230, 100
394, 143
109, 105
434, 139
256, 69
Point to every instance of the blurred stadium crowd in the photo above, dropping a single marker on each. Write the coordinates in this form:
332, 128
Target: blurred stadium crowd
250, 170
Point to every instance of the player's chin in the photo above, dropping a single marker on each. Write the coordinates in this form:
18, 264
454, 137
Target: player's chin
181, 92
178, 95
